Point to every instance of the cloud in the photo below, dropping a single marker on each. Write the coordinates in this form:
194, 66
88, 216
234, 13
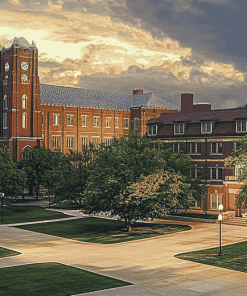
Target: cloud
94, 1
225, 70
15, 2
55, 8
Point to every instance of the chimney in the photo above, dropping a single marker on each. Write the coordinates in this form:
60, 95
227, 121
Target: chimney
186, 103
137, 92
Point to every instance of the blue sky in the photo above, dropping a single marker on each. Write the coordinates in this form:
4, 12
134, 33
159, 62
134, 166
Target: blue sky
163, 46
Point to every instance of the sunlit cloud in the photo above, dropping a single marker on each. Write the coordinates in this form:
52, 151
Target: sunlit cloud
55, 8
94, 1
15, 2
225, 70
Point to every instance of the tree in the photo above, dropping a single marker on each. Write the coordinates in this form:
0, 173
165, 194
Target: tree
115, 170
12, 180
73, 172
37, 165
238, 160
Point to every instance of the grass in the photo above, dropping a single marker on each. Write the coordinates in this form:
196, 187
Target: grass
19, 214
234, 257
103, 231
6, 252
52, 279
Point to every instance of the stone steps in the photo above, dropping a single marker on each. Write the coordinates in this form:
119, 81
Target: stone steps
239, 221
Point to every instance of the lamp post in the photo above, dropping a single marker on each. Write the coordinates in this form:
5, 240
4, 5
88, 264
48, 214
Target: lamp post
220, 219
2, 198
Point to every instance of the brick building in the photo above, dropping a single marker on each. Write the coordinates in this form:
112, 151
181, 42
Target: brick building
209, 136
63, 118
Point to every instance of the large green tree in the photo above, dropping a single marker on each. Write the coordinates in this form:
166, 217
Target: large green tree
12, 179
126, 162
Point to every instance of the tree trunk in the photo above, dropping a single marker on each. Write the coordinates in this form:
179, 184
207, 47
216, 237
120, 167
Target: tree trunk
129, 227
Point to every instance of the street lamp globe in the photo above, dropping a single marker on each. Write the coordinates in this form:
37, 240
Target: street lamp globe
221, 207
220, 217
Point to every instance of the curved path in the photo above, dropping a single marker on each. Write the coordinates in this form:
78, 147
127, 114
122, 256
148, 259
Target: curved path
149, 264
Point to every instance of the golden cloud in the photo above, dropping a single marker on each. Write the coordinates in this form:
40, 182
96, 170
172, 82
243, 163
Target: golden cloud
15, 2
55, 8
225, 70
94, 1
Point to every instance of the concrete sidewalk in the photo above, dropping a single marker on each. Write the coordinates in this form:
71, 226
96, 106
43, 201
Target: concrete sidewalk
149, 264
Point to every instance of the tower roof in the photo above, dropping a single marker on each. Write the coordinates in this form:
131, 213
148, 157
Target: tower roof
21, 42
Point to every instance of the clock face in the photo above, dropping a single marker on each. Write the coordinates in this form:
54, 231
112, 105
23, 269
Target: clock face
24, 78
24, 66
7, 67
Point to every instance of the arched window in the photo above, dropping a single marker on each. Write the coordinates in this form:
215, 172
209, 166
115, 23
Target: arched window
25, 152
24, 120
5, 102
24, 102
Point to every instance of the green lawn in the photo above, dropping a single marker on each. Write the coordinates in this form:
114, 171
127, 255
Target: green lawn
234, 257
6, 252
52, 279
19, 214
103, 231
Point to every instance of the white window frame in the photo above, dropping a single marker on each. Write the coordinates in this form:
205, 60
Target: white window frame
43, 119
57, 141
218, 200
152, 130
243, 127
84, 120
84, 142
108, 141
108, 122
217, 173
196, 169
179, 146
56, 119
95, 142
178, 128
24, 102
116, 122
5, 125
96, 121
126, 123
70, 142
5, 102
70, 120
196, 148
217, 148
205, 129
24, 120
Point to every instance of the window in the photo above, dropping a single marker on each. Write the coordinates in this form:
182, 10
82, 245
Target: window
216, 148
95, 142
195, 148
126, 122
83, 143
195, 172
55, 119
178, 128
108, 141
84, 120
70, 119
216, 173
206, 127
107, 121
24, 102
56, 142
116, 121
96, 121
70, 142
241, 126
177, 147
5, 120
215, 200
136, 123
24, 120
43, 118
152, 130
5, 102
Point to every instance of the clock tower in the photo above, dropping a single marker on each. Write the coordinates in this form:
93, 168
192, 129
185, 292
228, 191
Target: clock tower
20, 114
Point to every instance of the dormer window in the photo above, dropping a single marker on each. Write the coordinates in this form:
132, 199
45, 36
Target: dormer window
152, 130
241, 126
178, 128
206, 127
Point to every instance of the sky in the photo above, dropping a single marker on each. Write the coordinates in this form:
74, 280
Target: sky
167, 47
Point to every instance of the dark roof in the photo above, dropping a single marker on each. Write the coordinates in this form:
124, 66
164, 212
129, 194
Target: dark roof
60, 95
197, 117
21, 42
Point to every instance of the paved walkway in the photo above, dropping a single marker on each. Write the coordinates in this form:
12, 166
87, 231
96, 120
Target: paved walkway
149, 264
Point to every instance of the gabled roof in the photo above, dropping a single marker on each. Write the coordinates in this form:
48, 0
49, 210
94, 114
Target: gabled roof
197, 117
21, 42
60, 95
